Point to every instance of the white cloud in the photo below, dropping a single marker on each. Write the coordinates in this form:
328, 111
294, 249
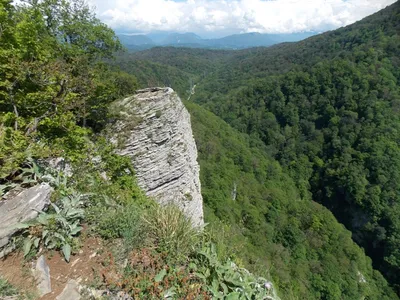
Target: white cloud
265, 16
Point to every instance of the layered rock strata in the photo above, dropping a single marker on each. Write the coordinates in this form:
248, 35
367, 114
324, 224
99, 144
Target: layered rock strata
155, 132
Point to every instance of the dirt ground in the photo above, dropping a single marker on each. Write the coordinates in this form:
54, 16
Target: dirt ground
85, 267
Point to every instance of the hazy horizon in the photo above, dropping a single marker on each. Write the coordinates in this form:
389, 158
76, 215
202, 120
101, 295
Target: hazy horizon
219, 18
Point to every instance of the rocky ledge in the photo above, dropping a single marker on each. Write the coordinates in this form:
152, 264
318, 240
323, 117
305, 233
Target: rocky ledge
157, 136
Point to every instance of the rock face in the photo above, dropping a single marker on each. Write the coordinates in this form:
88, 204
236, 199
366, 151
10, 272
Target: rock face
42, 276
19, 208
158, 138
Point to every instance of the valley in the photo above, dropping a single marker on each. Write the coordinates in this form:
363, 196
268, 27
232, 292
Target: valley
290, 188
325, 109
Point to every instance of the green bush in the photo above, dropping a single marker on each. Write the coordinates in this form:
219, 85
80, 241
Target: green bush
170, 230
227, 280
112, 222
13, 145
55, 229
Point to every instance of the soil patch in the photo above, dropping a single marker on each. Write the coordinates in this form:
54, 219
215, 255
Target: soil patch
85, 267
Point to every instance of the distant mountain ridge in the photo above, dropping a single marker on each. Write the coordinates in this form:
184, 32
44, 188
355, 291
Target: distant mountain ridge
192, 40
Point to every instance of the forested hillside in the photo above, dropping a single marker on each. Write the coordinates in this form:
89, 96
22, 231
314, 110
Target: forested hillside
332, 120
180, 68
327, 109
255, 206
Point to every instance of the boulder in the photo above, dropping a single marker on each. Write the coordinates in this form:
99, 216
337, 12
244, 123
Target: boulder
21, 207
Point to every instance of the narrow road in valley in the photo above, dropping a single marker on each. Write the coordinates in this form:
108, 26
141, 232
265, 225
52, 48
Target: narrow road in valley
192, 91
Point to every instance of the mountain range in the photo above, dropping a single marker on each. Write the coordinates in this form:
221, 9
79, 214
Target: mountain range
192, 40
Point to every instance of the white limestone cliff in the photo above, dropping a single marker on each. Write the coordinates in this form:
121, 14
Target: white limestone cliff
157, 136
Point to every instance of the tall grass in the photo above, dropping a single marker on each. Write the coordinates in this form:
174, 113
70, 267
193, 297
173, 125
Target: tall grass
171, 231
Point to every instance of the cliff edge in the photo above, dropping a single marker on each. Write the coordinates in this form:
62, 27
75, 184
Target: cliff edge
156, 134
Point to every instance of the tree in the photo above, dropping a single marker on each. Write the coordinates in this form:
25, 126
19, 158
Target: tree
51, 72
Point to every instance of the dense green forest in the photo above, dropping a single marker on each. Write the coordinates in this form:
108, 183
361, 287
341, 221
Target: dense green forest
327, 109
299, 243
167, 66
332, 120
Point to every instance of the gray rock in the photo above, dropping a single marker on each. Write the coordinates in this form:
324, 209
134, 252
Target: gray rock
21, 207
89, 293
59, 164
121, 296
42, 276
70, 292
156, 134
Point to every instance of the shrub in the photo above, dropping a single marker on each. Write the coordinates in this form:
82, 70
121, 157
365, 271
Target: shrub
170, 230
148, 275
55, 230
13, 145
227, 280
115, 221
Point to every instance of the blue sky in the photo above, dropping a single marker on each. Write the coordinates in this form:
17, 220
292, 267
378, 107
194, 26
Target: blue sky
220, 17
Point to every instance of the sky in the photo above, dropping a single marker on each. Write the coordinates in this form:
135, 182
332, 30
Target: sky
222, 17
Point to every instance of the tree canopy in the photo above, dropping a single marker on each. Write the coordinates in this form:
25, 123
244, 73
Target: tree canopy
52, 77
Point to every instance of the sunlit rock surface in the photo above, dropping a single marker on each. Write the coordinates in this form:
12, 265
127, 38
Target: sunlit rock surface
156, 134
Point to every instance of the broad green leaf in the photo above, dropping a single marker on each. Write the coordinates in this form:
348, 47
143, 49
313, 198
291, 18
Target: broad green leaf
36, 242
66, 249
217, 294
75, 212
76, 230
43, 218
200, 275
192, 266
48, 178
52, 244
224, 287
233, 296
27, 246
35, 168
22, 226
58, 235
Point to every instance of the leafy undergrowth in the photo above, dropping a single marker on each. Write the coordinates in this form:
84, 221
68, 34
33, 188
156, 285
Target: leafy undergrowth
173, 260
149, 275
156, 251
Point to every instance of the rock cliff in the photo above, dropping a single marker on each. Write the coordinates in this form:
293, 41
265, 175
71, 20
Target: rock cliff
155, 132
